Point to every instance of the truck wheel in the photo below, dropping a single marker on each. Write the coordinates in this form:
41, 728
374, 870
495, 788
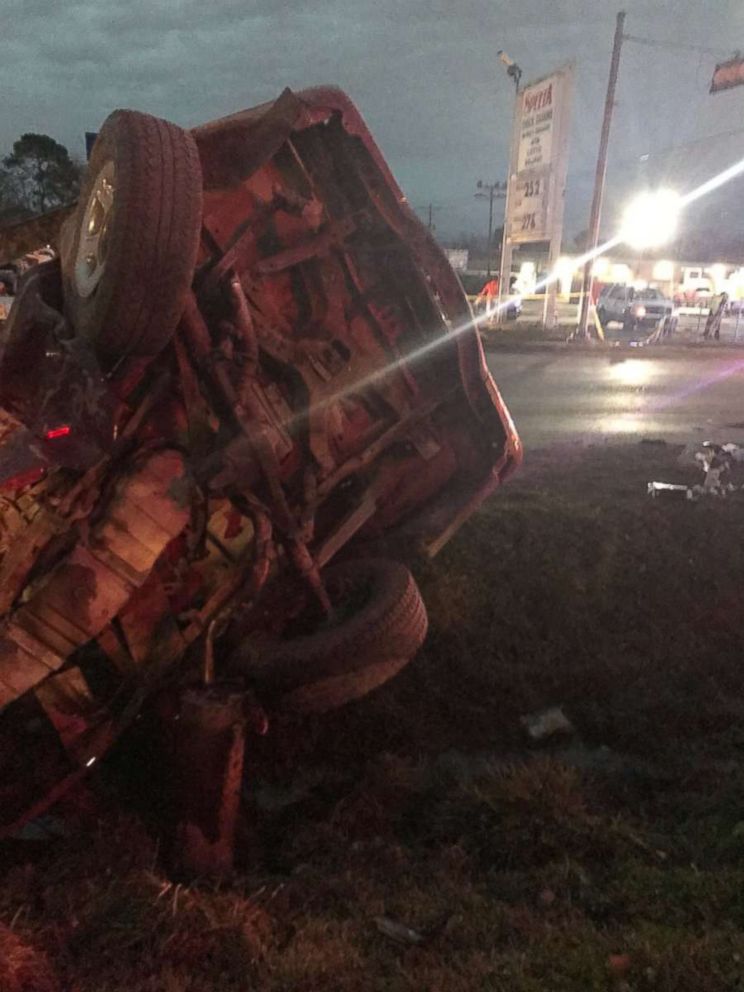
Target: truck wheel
379, 616
338, 690
128, 251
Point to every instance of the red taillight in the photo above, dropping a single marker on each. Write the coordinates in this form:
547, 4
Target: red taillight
58, 432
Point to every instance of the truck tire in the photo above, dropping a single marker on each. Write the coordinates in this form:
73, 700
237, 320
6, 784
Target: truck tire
338, 690
380, 616
129, 249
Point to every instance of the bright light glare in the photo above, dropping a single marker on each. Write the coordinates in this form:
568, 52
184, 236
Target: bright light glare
600, 268
714, 183
632, 372
624, 423
664, 271
651, 219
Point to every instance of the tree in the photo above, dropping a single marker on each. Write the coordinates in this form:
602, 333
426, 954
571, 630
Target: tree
39, 174
9, 208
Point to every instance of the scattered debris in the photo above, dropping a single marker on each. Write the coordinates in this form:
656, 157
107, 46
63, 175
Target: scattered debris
734, 451
398, 932
715, 460
546, 724
667, 490
687, 458
619, 964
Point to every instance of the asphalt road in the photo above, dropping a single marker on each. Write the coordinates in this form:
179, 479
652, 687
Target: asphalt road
682, 395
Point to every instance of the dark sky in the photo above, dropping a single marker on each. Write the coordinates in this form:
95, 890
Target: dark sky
423, 72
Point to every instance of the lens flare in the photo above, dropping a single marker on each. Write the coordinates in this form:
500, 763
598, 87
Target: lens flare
651, 220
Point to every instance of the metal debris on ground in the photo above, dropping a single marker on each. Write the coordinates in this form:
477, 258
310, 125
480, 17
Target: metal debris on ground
715, 460
398, 932
547, 723
667, 490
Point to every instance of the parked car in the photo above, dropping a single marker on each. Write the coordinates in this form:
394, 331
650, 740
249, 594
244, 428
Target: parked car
250, 378
633, 308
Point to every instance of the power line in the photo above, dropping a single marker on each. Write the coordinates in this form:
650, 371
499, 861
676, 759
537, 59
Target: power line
733, 132
653, 43
628, 160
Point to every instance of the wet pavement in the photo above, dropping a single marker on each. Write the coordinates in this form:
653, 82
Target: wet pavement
680, 396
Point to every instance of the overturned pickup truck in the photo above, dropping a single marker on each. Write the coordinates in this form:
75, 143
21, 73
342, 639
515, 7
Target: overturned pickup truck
250, 374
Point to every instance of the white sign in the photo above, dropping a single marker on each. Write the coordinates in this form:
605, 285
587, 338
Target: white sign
536, 124
529, 211
538, 172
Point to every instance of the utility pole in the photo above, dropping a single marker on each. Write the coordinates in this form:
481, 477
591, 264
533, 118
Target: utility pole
599, 178
431, 209
495, 191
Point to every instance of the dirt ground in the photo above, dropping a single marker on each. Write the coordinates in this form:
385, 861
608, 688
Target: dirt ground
610, 858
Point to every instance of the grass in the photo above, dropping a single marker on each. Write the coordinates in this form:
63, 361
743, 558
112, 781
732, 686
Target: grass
613, 860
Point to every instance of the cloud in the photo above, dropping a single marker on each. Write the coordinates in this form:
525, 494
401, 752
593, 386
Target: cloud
424, 73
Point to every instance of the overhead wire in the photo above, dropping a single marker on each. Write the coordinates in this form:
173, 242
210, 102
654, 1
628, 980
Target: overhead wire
679, 46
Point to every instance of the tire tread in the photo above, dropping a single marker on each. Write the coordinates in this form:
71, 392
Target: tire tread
157, 223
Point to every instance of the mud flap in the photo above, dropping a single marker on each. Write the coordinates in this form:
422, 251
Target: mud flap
206, 757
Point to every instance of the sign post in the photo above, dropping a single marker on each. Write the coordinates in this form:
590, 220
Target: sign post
537, 173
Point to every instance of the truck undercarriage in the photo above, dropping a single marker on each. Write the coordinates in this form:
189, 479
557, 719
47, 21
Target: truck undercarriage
249, 377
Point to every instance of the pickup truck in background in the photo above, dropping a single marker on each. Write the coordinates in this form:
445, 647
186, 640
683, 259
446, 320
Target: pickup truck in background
633, 308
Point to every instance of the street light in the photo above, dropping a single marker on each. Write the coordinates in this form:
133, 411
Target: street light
651, 219
512, 69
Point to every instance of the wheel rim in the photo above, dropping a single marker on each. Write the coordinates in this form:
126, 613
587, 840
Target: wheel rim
95, 228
